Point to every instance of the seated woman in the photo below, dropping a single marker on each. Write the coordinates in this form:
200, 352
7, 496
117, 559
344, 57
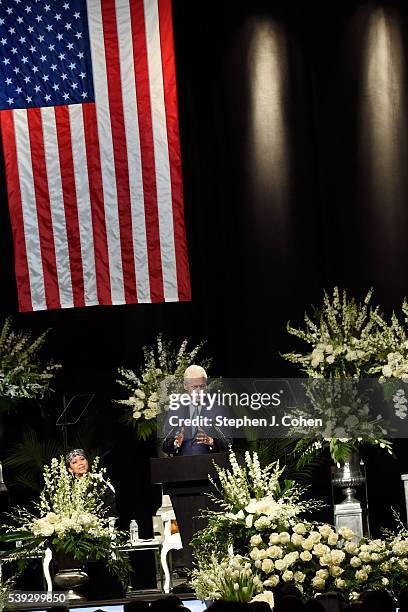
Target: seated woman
77, 464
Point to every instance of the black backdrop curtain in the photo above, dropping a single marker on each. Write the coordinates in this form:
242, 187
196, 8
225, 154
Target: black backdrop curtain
293, 130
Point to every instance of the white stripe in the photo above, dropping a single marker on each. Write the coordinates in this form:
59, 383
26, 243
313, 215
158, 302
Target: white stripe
59, 228
30, 220
83, 202
133, 149
161, 151
106, 149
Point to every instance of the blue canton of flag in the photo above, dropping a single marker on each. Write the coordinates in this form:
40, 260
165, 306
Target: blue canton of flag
45, 57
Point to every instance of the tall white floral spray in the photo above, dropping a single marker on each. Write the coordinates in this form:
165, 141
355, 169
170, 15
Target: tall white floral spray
345, 340
161, 374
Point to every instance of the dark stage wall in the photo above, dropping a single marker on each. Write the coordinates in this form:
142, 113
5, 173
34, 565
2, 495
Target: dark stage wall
294, 142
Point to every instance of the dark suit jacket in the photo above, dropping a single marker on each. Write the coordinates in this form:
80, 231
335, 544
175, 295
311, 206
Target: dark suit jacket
190, 446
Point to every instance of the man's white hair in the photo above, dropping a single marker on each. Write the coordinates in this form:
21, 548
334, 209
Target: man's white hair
194, 371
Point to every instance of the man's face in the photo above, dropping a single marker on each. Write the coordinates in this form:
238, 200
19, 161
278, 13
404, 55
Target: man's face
78, 465
193, 386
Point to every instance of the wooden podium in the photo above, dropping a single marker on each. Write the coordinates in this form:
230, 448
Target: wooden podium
185, 479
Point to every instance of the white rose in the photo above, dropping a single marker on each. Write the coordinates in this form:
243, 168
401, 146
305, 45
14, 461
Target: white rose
337, 556
320, 549
351, 547
340, 583
385, 581
274, 538
267, 566
280, 565
361, 575
332, 539
137, 414
346, 533
297, 539
256, 539
299, 528
284, 537
139, 393
336, 571
355, 562
322, 573
365, 556
306, 555
275, 552
249, 520
307, 544
318, 583
325, 530
287, 576
315, 537
299, 576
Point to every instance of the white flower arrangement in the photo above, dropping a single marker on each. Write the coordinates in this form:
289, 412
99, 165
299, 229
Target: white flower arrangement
161, 374
21, 373
70, 517
242, 562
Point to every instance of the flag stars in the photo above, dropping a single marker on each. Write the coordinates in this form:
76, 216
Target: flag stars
67, 26
72, 66
64, 76
51, 47
29, 99
60, 36
66, 6
12, 31
65, 96
19, 90
78, 35
34, 69
33, 49
47, 8
47, 97
20, 20
49, 27
22, 39
57, 16
55, 86
53, 67
74, 86
70, 46
43, 58
61, 56
24, 59
10, 101
6, 61
84, 94
14, 50
1, 22
30, 29
80, 55
28, 9
82, 75
37, 88
27, 79
9, 11
16, 69
45, 77
9, 81
41, 38
38, 18
3, 41
77, 15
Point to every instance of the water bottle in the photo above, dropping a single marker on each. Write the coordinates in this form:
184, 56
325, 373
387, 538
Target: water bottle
134, 532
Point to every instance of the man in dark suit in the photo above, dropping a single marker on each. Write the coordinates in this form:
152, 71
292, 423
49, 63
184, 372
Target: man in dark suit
196, 432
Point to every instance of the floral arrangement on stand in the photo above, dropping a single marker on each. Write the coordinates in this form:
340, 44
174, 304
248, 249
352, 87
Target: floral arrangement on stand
347, 341
261, 539
161, 374
22, 375
69, 518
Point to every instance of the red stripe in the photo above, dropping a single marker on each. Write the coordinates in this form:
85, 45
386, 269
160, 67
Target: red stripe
42, 199
119, 148
16, 211
147, 150
173, 139
70, 202
97, 204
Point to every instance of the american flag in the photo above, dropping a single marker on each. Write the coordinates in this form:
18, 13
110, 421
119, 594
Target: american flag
89, 126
